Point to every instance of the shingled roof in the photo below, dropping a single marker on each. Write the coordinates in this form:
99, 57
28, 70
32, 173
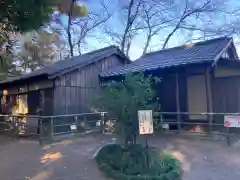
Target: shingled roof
68, 65
205, 51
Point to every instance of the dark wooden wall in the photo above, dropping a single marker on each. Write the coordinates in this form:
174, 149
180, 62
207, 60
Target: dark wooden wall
226, 96
74, 91
167, 94
47, 101
33, 100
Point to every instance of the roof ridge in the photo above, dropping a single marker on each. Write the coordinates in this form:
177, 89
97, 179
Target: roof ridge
90, 52
99, 50
197, 43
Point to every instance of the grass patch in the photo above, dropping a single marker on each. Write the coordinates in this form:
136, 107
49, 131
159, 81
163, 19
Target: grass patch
137, 163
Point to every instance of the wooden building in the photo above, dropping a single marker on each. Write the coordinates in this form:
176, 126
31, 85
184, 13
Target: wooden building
65, 87
196, 78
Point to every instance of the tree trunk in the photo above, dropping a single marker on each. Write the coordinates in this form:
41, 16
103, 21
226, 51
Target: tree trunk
69, 28
146, 45
169, 36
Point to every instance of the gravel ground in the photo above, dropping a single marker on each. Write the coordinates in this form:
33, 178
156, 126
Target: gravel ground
73, 159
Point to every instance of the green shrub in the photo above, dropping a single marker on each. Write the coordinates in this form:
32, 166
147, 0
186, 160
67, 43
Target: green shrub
137, 163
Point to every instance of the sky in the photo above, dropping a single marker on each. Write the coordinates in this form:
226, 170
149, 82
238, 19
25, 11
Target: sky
136, 49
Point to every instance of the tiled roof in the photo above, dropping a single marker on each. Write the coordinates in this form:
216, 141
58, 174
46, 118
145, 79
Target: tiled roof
69, 65
205, 51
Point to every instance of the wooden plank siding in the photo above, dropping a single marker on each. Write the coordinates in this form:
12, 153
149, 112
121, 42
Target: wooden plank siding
74, 91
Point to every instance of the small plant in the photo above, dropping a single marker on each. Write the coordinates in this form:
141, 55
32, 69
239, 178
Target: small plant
123, 99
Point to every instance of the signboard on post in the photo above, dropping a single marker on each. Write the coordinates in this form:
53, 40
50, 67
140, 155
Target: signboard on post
232, 121
73, 127
145, 122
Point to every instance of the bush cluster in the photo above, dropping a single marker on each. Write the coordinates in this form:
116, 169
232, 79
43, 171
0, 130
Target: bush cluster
137, 163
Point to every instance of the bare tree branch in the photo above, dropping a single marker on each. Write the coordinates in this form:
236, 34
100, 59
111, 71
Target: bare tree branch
89, 24
152, 19
187, 13
155, 22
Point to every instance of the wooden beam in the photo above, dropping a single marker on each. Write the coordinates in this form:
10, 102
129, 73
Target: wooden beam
177, 102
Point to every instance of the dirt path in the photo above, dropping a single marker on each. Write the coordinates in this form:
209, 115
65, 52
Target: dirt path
66, 160
73, 160
202, 159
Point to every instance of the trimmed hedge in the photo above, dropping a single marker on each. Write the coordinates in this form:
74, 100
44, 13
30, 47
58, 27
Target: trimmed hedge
137, 163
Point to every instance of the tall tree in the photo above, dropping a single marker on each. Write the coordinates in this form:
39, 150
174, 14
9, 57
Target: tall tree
156, 17
25, 15
94, 21
190, 9
82, 28
17, 16
39, 49
129, 18
132, 13
158, 22
74, 11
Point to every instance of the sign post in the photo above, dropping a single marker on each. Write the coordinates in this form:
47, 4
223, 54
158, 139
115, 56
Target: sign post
232, 121
229, 122
145, 123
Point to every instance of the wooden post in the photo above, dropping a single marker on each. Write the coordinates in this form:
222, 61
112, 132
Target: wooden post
146, 141
228, 138
41, 103
40, 132
14, 127
102, 121
208, 96
177, 103
65, 88
52, 128
76, 122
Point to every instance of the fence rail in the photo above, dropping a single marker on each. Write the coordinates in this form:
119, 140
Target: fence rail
48, 127
18, 125
204, 123
197, 113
